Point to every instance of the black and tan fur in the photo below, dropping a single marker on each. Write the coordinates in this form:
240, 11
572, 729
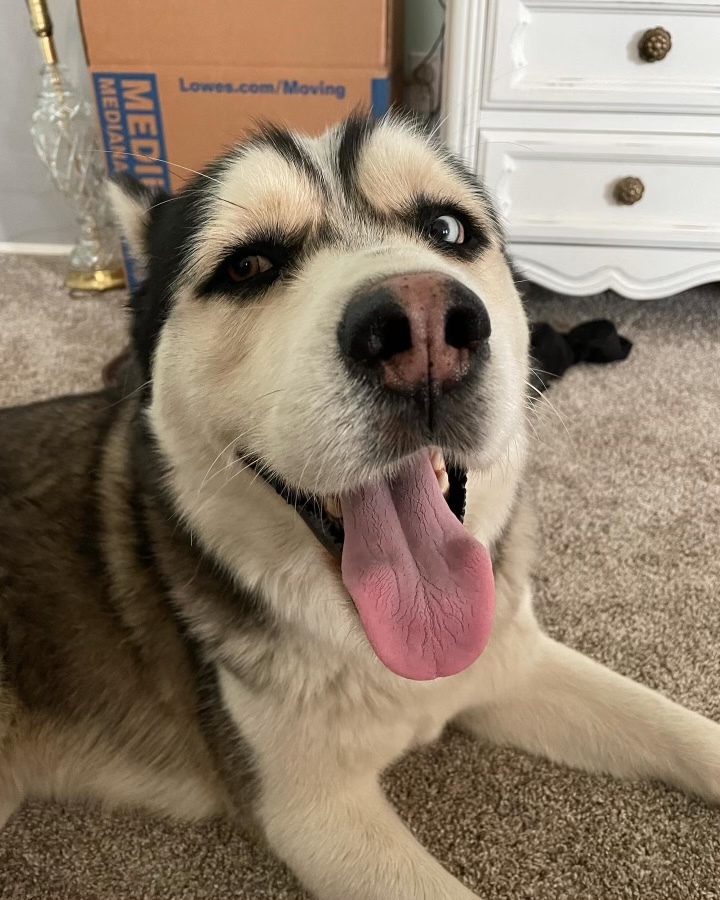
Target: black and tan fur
173, 635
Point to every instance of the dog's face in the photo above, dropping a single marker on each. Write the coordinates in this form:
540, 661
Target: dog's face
331, 305
330, 308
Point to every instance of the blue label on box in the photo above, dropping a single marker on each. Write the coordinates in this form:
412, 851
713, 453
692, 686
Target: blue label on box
380, 96
132, 131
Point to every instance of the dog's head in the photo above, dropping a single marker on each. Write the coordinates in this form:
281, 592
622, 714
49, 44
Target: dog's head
340, 312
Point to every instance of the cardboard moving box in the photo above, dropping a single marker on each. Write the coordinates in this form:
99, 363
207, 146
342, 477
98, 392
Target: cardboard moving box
243, 33
177, 81
182, 79
161, 125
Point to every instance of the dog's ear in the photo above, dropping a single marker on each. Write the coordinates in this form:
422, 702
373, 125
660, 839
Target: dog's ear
132, 203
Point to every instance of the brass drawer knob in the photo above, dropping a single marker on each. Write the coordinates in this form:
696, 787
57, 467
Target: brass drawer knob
629, 190
655, 44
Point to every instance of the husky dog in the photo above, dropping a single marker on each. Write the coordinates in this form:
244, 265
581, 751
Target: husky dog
296, 547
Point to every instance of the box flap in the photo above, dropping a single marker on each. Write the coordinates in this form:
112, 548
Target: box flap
343, 33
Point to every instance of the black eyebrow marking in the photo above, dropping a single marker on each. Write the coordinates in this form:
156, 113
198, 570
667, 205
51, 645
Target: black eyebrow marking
286, 145
356, 133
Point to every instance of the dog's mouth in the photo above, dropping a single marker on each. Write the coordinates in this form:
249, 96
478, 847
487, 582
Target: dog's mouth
422, 585
332, 506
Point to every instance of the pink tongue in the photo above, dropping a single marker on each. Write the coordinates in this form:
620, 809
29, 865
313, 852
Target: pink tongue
423, 587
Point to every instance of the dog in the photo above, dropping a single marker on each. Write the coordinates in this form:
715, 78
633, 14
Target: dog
295, 546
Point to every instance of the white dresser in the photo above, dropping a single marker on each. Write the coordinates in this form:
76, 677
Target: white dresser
596, 124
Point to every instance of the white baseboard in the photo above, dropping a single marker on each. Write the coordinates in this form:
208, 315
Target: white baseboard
35, 249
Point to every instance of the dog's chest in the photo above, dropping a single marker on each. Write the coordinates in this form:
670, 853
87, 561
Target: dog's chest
364, 727
376, 734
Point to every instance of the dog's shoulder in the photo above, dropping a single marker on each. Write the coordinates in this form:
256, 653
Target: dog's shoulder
52, 440
49, 458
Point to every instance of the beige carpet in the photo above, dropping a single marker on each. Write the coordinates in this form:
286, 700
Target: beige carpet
628, 494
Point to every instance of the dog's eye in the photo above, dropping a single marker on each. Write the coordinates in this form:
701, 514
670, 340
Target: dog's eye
447, 229
248, 267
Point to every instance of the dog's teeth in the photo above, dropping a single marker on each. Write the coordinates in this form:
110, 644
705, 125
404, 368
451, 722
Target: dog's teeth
437, 459
438, 463
443, 481
332, 508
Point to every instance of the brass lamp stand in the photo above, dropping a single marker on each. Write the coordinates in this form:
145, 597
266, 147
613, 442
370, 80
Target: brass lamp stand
65, 136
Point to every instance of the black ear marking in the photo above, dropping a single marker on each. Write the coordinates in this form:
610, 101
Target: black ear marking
168, 226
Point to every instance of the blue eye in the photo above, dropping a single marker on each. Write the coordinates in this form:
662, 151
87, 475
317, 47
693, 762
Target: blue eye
447, 229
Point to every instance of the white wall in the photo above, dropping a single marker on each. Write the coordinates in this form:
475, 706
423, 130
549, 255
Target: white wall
31, 211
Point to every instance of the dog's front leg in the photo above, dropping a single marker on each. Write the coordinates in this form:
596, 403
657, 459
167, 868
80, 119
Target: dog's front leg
349, 844
578, 712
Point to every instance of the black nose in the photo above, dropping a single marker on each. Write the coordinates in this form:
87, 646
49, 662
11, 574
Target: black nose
419, 331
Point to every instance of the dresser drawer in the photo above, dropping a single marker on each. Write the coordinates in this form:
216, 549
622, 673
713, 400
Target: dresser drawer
584, 55
561, 187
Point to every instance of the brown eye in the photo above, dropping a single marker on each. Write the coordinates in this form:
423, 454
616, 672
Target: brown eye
248, 267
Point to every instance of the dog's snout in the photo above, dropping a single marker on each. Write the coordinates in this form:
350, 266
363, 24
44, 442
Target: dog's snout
415, 331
